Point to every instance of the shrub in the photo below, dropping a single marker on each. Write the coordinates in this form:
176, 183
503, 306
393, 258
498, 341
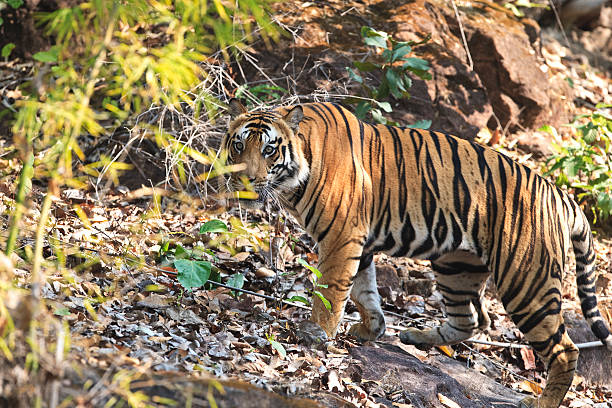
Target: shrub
585, 164
389, 58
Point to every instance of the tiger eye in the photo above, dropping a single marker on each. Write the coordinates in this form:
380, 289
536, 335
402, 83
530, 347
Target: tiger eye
269, 150
238, 146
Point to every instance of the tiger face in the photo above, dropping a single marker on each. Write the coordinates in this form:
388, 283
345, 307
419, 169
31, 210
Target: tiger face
268, 151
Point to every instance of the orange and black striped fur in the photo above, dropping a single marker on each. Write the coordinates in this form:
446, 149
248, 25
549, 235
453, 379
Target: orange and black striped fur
359, 189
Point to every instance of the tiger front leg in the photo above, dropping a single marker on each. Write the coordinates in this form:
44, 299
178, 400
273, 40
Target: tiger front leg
338, 267
365, 296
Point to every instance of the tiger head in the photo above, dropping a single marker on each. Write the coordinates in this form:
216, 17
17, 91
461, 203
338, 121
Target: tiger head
269, 154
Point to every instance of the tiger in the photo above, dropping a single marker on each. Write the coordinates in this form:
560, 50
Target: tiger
359, 188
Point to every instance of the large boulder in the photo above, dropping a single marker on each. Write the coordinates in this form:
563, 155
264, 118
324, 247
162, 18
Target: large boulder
500, 83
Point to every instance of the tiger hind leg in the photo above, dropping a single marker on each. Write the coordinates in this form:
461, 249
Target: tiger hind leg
461, 279
541, 322
364, 294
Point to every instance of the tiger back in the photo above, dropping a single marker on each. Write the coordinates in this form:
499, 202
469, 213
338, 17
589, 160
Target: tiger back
359, 188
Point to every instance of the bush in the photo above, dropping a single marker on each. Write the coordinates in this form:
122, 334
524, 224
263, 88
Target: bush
389, 58
585, 164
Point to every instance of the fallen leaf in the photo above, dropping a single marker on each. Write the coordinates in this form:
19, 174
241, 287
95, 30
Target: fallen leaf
531, 387
333, 382
446, 350
447, 402
154, 301
528, 358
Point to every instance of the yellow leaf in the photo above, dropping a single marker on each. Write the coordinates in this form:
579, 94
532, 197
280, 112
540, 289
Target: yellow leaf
246, 195
446, 350
447, 402
531, 387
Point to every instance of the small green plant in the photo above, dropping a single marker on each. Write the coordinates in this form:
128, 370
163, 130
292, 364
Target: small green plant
6, 50
263, 93
389, 58
193, 271
14, 4
276, 346
315, 284
585, 164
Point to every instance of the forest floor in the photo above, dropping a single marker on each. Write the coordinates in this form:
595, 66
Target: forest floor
110, 285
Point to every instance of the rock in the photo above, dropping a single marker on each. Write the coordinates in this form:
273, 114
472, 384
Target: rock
310, 334
536, 143
396, 372
423, 287
386, 276
504, 89
184, 316
264, 272
225, 393
154, 301
594, 364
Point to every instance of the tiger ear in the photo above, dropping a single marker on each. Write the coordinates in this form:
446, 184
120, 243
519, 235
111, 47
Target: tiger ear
294, 117
236, 108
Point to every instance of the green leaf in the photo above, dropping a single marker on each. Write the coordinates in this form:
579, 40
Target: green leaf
589, 135
383, 91
213, 226
420, 124
312, 269
378, 116
395, 84
355, 77
15, 3
192, 274
399, 52
362, 109
374, 38
47, 56
386, 106
407, 81
514, 10
63, 311
603, 105
181, 253
418, 66
235, 281
548, 129
277, 346
323, 299
6, 50
366, 66
300, 299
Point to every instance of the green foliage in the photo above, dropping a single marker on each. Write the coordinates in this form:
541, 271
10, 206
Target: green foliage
515, 4
15, 4
585, 164
6, 50
263, 93
236, 281
213, 226
113, 59
276, 346
389, 58
192, 273
315, 284
193, 270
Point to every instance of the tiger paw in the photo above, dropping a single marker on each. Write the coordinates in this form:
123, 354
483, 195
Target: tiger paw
413, 336
528, 402
310, 334
363, 332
